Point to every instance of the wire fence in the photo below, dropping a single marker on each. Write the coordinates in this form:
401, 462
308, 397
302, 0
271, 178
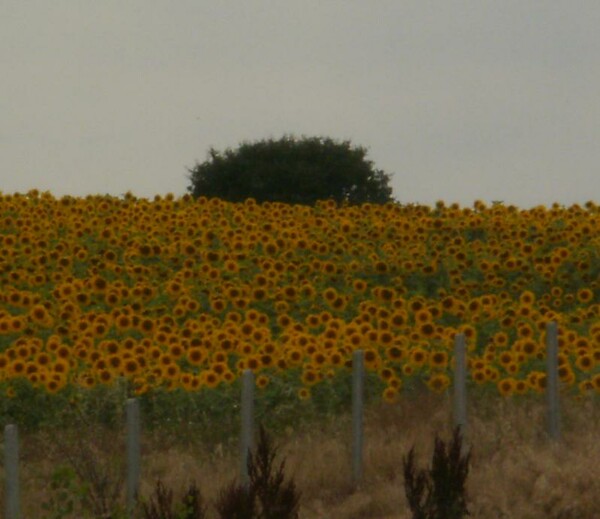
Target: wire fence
133, 428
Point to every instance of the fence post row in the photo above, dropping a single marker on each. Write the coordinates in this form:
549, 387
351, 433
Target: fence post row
11, 438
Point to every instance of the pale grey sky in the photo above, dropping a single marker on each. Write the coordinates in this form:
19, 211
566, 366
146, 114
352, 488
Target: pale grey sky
461, 100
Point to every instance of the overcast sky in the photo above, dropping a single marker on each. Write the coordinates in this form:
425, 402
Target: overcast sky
460, 100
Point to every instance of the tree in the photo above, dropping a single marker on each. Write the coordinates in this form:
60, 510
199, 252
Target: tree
291, 171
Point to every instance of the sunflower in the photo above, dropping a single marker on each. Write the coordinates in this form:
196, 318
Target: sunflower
210, 379
512, 367
261, 336
386, 374
131, 367
585, 362
390, 395
521, 387
105, 376
398, 318
247, 329
492, 374
4, 324
408, 370
176, 350
372, 359
63, 352
325, 317
423, 316
470, 333
171, 372
253, 363
284, 320
98, 284
313, 321
426, 330
531, 379
294, 356
218, 305
478, 376
318, 359
40, 316
566, 374
17, 368
53, 385
307, 291
359, 285
585, 295
505, 358
122, 322
506, 386
438, 382
596, 382
114, 362
394, 353
23, 351
449, 304
310, 377
303, 393
418, 356
529, 347
147, 326
438, 359
539, 382
385, 338
527, 298
339, 303
241, 303
262, 381
355, 340
585, 386
16, 324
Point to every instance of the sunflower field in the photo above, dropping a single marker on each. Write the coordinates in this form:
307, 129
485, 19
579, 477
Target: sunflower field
181, 295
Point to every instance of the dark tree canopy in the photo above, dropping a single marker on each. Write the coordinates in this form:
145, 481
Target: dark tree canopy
291, 171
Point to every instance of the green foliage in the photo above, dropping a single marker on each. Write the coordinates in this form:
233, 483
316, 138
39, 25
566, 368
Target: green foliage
68, 497
291, 171
179, 412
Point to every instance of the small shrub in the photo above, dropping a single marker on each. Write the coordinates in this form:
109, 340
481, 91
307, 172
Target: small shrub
278, 499
267, 495
161, 504
236, 502
439, 492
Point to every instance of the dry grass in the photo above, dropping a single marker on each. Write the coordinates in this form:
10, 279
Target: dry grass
516, 472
